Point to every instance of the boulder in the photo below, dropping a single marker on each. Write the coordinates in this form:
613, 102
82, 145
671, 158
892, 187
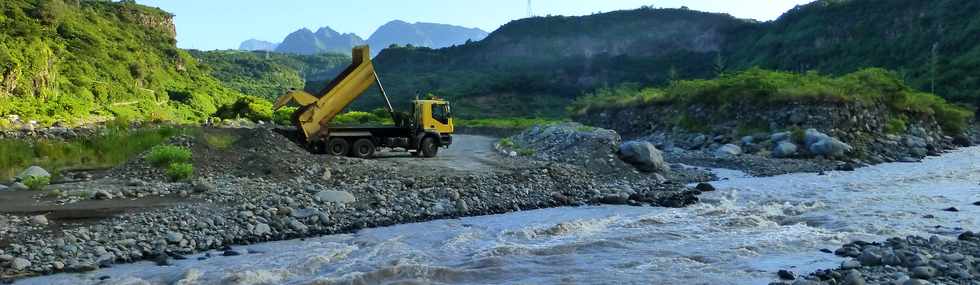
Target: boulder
830, 147
643, 155
705, 187
261, 229
102, 195
812, 136
784, 149
4, 188
915, 142
174, 237
19, 187
20, 264
341, 197
33, 171
781, 137
728, 150
39, 220
202, 186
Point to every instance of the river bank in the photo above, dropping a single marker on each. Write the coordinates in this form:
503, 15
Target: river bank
744, 233
254, 185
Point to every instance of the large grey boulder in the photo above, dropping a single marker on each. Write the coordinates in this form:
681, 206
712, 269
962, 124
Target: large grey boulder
821, 144
728, 150
784, 149
830, 147
33, 171
4, 188
812, 136
341, 197
643, 155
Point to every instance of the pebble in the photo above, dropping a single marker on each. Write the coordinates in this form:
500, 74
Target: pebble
853, 277
977, 203
951, 209
850, 264
923, 272
174, 237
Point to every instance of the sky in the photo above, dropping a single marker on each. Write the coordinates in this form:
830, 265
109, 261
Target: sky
224, 24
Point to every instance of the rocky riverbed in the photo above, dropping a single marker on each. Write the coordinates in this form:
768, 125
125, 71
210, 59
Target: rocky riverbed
751, 230
263, 188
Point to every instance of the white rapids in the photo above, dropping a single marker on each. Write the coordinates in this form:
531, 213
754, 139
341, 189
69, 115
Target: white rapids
741, 234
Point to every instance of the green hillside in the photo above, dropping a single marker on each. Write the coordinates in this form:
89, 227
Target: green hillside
932, 44
268, 75
72, 61
537, 66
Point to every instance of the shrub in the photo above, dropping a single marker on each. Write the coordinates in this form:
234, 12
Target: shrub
361, 118
180, 171
167, 154
284, 116
798, 135
37, 183
896, 125
248, 107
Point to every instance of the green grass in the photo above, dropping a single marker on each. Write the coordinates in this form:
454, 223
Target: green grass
763, 87
220, 141
163, 155
180, 171
505, 123
113, 147
896, 125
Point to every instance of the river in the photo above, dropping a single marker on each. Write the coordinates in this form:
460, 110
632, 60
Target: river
741, 234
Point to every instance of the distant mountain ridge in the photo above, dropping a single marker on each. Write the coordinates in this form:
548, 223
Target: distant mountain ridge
258, 45
326, 40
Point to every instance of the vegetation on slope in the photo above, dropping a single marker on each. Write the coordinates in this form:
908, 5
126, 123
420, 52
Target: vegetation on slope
543, 63
115, 145
69, 61
931, 44
761, 87
269, 75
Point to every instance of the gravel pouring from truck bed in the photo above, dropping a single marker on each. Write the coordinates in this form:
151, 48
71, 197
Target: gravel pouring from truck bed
265, 188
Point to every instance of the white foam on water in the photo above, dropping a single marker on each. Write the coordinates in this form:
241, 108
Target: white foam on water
741, 234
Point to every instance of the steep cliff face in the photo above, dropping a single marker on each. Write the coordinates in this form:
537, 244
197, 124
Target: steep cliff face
68, 61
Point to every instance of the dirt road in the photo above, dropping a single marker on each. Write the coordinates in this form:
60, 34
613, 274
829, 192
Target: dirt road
468, 154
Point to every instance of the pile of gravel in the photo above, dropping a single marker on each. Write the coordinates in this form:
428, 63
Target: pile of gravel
911, 260
571, 143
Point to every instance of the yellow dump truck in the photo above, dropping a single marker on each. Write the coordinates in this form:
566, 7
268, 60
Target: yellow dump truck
422, 132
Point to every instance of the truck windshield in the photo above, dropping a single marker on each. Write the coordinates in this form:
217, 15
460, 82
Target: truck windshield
441, 113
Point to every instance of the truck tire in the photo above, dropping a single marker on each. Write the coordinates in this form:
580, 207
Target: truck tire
363, 148
428, 147
338, 147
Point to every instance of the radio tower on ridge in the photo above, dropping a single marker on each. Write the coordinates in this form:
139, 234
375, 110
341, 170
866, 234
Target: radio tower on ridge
530, 11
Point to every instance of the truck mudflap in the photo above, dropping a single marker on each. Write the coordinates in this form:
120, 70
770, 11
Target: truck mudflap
445, 140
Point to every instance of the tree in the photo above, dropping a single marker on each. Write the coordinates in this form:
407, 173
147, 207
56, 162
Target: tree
720, 64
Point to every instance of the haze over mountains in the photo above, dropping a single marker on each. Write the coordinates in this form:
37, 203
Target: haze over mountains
325, 40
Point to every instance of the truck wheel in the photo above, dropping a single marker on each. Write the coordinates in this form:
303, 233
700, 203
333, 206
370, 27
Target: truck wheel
338, 147
363, 148
429, 147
